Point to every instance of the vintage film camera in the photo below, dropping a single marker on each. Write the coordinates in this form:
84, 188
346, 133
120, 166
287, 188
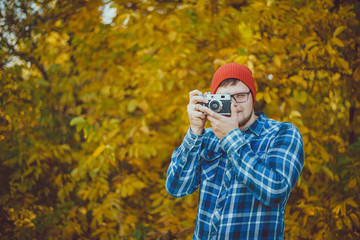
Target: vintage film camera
220, 103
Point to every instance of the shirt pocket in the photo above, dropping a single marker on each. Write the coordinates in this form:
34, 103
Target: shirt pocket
209, 164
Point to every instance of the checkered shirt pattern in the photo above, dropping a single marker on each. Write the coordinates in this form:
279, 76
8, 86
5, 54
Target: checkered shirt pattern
245, 179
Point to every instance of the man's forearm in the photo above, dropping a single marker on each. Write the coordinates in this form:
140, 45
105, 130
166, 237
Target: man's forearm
183, 175
271, 179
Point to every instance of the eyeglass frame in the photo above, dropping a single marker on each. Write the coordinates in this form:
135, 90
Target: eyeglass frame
247, 94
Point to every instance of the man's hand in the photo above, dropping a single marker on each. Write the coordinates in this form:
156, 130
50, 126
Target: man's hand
221, 125
197, 118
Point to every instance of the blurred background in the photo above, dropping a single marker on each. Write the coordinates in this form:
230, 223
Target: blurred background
93, 101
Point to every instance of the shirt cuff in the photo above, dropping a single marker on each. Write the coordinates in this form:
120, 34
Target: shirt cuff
192, 140
232, 141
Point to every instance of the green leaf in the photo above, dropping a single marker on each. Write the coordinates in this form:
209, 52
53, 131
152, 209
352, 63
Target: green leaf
43, 82
10, 109
77, 121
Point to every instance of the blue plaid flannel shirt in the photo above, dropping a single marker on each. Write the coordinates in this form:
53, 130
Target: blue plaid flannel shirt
245, 179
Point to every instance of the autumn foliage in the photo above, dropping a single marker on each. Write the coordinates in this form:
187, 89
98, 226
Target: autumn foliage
92, 110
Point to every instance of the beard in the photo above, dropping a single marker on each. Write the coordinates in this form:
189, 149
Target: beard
246, 119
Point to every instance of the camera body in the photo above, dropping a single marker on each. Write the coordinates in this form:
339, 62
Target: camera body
220, 103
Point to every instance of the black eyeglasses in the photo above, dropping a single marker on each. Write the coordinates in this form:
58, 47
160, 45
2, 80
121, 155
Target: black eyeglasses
241, 97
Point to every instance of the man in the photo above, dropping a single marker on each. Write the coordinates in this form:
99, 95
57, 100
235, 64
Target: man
245, 164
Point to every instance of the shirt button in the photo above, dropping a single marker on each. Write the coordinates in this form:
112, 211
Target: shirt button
213, 233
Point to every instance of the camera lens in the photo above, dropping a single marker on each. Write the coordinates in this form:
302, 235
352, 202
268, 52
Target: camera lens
215, 105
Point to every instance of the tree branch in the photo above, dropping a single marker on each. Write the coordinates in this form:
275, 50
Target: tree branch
24, 56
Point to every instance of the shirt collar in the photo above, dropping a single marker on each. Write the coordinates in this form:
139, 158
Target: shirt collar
258, 125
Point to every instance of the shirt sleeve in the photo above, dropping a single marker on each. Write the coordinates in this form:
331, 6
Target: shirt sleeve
269, 179
183, 175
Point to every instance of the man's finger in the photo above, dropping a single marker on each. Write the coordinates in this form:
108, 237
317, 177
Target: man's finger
211, 119
202, 108
198, 114
198, 107
195, 93
197, 99
195, 111
209, 112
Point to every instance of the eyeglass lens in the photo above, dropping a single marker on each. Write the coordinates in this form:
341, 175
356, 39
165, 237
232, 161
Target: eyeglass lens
241, 97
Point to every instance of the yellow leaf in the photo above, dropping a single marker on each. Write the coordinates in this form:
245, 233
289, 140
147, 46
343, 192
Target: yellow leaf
98, 150
98, 231
124, 191
310, 212
294, 114
347, 222
337, 139
320, 235
329, 49
351, 202
311, 44
339, 30
219, 62
130, 190
132, 105
355, 219
259, 96
277, 61
352, 184
336, 210
144, 128
172, 36
53, 38
32, 159
300, 96
328, 172
324, 154
258, 5
336, 77
130, 219
337, 42
332, 60
282, 107
342, 63
299, 80
343, 209
138, 184
242, 59
339, 224
267, 97
157, 201
357, 74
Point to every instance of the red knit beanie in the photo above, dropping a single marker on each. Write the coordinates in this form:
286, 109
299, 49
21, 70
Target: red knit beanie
233, 70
